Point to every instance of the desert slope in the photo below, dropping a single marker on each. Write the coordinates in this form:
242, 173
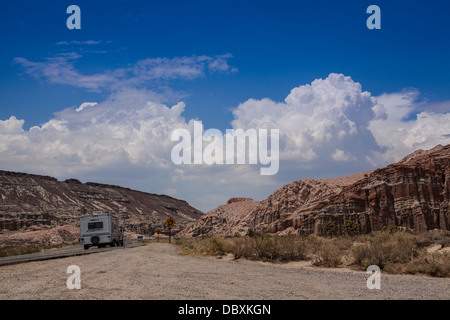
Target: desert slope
412, 193
33, 202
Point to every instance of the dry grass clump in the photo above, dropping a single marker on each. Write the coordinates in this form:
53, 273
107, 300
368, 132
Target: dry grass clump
385, 250
258, 247
270, 248
213, 246
393, 251
435, 265
329, 252
403, 252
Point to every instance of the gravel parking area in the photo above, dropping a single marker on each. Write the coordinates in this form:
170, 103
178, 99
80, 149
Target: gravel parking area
157, 271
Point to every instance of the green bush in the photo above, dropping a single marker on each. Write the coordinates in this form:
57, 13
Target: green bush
351, 228
329, 228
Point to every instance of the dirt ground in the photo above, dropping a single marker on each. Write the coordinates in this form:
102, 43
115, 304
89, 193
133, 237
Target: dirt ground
156, 271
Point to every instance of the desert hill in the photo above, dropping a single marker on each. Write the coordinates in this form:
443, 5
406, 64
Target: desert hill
35, 203
412, 193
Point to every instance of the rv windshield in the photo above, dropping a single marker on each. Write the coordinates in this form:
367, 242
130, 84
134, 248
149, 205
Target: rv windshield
95, 225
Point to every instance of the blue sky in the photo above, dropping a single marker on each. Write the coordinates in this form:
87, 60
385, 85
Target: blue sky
231, 52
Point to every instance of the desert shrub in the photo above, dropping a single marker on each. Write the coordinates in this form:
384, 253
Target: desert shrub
292, 248
270, 248
390, 229
430, 237
351, 228
188, 246
192, 246
242, 248
384, 249
435, 269
281, 248
443, 259
329, 228
216, 246
264, 247
435, 265
327, 254
393, 252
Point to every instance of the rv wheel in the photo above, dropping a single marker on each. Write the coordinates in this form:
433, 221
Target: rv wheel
95, 240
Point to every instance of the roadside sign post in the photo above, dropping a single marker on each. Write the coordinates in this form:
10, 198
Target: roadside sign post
158, 231
169, 223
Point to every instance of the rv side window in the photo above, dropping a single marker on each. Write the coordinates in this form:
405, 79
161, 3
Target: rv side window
95, 225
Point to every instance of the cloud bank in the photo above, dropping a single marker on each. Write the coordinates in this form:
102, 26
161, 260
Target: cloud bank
329, 127
333, 120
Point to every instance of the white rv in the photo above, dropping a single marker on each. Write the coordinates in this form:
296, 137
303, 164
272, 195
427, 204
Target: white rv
100, 230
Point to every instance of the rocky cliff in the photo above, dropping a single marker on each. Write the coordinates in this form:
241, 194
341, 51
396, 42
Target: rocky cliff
230, 219
32, 202
412, 193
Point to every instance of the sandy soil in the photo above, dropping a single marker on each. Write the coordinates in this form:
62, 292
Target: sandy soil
157, 271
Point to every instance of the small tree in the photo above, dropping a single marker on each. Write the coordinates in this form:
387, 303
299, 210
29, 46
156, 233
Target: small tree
329, 228
350, 228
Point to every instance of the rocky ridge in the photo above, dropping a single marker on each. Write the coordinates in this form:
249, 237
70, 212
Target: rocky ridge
413, 193
229, 219
33, 202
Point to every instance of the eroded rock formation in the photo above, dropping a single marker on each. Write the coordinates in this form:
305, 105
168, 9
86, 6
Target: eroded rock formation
230, 219
412, 193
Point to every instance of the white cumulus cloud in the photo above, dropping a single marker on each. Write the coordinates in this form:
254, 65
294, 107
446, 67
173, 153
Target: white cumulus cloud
316, 120
327, 128
399, 135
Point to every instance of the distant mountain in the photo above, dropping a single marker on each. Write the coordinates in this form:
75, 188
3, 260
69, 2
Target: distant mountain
412, 193
32, 202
